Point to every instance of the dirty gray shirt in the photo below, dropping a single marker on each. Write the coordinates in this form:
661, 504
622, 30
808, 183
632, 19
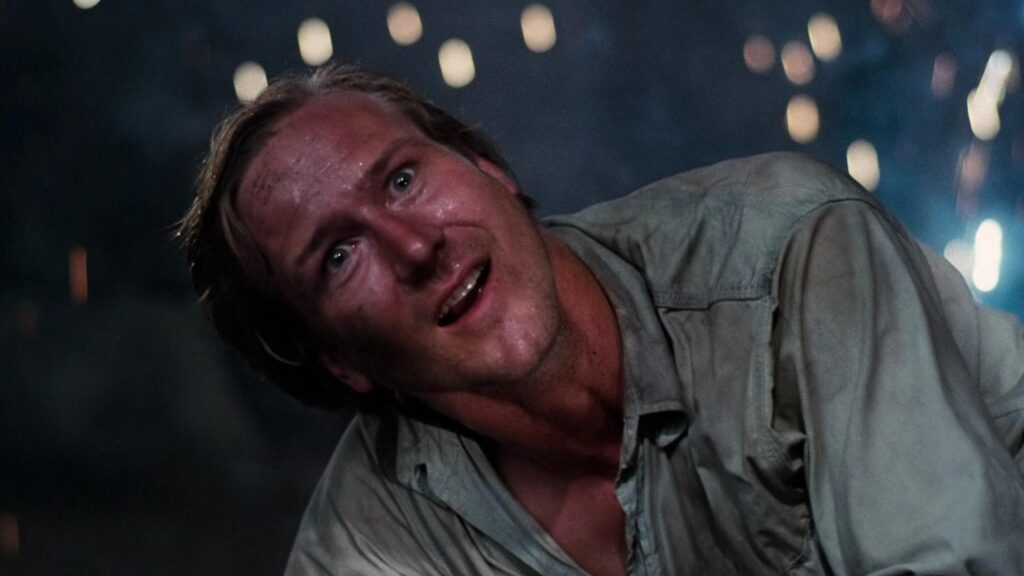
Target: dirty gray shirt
806, 392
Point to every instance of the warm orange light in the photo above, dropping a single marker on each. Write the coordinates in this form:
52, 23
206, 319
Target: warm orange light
887, 12
943, 75
972, 169
456, 60
78, 275
404, 24
797, 63
10, 539
802, 119
759, 54
538, 27
315, 44
862, 164
250, 80
823, 33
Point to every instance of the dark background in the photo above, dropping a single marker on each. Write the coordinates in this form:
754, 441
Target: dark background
133, 442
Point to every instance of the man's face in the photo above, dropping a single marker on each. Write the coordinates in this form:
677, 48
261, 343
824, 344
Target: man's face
418, 266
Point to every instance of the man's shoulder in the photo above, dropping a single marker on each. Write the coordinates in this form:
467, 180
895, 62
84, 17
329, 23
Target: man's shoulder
782, 175
714, 232
353, 468
351, 494
373, 512
776, 181
356, 519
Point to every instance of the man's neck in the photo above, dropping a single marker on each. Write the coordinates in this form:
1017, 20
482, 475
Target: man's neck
568, 417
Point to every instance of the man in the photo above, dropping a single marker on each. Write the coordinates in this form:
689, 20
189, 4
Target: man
746, 369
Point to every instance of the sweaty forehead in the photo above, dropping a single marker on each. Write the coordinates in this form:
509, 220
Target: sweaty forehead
329, 137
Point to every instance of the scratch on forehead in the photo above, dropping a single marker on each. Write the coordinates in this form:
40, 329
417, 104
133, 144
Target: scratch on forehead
309, 153
262, 185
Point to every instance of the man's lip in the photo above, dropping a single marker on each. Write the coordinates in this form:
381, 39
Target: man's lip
457, 285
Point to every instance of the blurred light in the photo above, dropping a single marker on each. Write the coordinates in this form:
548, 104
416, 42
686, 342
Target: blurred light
943, 75
10, 539
961, 256
988, 254
897, 15
78, 275
456, 61
887, 11
797, 63
1013, 81
862, 163
996, 77
86, 4
404, 24
759, 54
983, 113
250, 80
824, 35
538, 28
315, 42
984, 101
972, 169
802, 119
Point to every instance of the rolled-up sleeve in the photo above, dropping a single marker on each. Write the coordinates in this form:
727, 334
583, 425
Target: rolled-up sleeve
908, 469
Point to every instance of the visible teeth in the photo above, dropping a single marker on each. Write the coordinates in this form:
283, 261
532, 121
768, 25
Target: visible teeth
462, 291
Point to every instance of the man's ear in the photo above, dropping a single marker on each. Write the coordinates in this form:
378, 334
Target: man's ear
497, 173
346, 374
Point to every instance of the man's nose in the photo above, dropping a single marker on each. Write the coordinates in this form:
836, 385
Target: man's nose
411, 244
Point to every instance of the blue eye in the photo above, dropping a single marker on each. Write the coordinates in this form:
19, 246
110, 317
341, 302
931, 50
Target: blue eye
402, 179
337, 256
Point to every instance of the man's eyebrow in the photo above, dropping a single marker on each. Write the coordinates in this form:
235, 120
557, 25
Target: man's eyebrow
376, 170
371, 175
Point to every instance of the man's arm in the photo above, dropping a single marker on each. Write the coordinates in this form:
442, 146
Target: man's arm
992, 346
906, 470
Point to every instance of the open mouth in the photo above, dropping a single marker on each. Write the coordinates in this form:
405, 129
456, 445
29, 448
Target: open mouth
463, 298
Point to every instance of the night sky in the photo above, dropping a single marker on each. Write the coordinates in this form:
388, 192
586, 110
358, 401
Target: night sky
132, 441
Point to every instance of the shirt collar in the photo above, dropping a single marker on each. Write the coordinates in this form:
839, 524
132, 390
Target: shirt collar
652, 387
651, 383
